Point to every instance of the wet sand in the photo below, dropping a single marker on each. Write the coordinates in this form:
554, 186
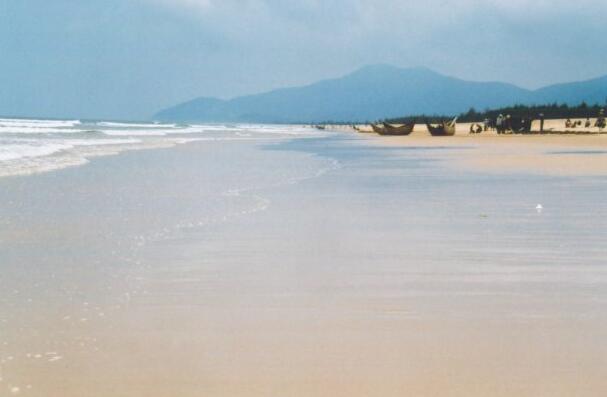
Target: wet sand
341, 266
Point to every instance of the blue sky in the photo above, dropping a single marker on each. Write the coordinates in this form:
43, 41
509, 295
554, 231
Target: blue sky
126, 59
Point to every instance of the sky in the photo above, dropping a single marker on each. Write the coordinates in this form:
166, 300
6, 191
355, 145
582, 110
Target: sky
127, 59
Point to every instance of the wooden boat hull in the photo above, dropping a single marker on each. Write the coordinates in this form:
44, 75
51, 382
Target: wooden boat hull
363, 131
378, 129
443, 129
405, 129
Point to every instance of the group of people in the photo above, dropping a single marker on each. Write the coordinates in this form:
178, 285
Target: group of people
477, 128
599, 123
573, 124
508, 124
505, 124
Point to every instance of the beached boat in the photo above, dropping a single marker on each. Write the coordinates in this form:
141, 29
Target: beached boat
404, 129
319, 127
378, 129
363, 130
443, 129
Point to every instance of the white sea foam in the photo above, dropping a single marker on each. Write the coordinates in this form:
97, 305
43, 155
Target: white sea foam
8, 129
18, 151
38, 123
101, 142
33, 126
248, 129
134, 125
30, 146
218, 128
281, 129
152, 131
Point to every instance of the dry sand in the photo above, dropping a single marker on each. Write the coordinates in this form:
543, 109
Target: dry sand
548, 154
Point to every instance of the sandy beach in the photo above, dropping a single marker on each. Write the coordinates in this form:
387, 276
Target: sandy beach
554, 154
188, 207
342, 265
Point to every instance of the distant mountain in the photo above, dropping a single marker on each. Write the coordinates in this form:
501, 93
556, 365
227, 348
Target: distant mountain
591, 91
377, 92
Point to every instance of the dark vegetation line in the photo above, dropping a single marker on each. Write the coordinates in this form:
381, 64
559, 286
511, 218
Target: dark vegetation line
552, 111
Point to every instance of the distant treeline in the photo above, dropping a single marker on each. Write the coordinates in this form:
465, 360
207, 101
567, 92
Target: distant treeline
552, 111
422, 118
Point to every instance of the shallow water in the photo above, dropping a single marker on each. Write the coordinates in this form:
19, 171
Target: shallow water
313, 266
29, 146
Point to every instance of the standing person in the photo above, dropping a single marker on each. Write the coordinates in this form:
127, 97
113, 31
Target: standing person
499, 123
525, 126
541, 122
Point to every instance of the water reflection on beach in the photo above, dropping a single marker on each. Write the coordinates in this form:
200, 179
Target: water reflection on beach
309, 267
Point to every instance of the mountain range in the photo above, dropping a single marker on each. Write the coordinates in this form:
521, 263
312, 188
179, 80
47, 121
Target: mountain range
378, 92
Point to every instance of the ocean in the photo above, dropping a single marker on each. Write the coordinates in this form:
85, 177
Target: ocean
30, 146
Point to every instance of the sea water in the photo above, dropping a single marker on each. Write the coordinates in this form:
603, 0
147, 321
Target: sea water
32, 145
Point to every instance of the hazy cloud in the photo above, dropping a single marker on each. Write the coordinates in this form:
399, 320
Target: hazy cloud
127, 58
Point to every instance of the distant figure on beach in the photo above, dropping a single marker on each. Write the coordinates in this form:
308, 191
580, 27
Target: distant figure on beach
525, 125
541, 122
588, 123
475, 128
518, 125
499, 124
568, 123
486, 124
600, 121
508, 123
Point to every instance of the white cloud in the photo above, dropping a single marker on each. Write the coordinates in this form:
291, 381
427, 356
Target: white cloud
383, 29
277, 21
428, 6
185, 48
